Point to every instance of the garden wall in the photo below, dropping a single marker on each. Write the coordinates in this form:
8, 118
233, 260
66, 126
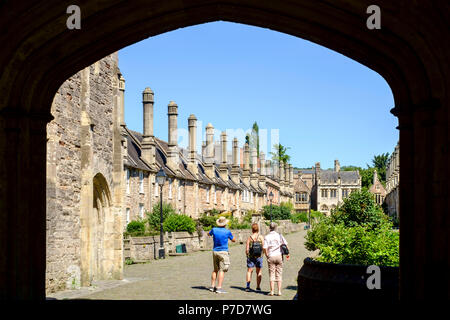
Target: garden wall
143, 249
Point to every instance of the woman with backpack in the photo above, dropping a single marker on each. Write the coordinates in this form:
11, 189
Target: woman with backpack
254, 251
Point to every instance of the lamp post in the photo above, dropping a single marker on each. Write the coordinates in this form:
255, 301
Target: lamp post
270, 198
309, 213
160, 179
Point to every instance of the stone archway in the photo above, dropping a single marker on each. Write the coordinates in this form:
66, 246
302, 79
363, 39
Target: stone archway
410, 51
98, 234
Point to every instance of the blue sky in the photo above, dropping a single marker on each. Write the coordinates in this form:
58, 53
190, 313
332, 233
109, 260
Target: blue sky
324, 105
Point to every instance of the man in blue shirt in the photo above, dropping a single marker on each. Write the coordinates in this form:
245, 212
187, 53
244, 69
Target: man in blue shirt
221, 259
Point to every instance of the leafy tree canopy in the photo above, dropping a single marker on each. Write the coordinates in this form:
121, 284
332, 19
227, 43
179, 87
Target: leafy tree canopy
280, 155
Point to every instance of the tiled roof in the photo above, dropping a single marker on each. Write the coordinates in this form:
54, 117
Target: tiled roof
329, 176
301, 186
133, 158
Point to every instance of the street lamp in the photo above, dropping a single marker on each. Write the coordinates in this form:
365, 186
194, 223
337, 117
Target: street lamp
160, 179
309, 214
270, 198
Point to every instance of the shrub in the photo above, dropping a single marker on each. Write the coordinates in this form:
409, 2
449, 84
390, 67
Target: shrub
179, 222
354, 245
357, 232
316, 215
248, 216
136, 228
360, 209
299, 217
281, 212
235, 224
207, 221
154, 216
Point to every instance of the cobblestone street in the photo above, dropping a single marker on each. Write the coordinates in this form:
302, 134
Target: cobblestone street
187, 278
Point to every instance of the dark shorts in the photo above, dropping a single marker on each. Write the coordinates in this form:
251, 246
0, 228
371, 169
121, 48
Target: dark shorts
255, 262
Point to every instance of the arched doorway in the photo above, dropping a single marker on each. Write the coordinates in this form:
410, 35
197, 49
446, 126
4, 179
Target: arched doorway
101, 230
409, 51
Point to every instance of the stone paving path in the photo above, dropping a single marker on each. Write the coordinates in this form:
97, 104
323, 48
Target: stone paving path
187, 278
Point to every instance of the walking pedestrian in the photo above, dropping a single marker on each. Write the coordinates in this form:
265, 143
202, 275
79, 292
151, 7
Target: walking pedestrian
221, 258
272, 244
254, 252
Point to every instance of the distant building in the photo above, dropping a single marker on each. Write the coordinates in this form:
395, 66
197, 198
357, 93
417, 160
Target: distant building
392, 183
303, 183
377, 189
323, 190
333, 186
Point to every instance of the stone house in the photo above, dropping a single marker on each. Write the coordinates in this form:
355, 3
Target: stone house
377, 189
323, 190
332, 186
197, 183
303, 183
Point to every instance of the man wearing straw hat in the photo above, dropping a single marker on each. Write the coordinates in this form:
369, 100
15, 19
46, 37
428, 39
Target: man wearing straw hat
221, 258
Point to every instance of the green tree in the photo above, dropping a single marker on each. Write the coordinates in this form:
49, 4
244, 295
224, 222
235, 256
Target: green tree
280, 154
380, 163
366, 177
154, 216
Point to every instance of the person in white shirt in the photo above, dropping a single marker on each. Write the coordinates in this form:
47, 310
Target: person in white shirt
272, 243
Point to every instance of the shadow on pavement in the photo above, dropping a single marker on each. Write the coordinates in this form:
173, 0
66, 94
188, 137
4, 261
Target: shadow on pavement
291, 288
200, 288
251, 290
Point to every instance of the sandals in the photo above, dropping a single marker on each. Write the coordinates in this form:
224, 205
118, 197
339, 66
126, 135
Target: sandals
270, 293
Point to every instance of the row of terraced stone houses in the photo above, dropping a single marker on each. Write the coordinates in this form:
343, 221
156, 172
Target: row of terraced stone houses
198, 183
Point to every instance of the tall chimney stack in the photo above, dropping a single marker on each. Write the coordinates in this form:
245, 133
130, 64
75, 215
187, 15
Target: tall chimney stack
209, 150
262, 162
337, 166
192, 125
286, 174
254, 167
269, 169
148, 141
262, 172
317, 172
224, 161
204, 151
172, 113
291, 176
246, 170
235, 168
121, 109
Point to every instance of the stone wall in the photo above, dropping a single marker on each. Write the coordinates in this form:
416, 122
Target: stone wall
63, 184
143, 249
83, 217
